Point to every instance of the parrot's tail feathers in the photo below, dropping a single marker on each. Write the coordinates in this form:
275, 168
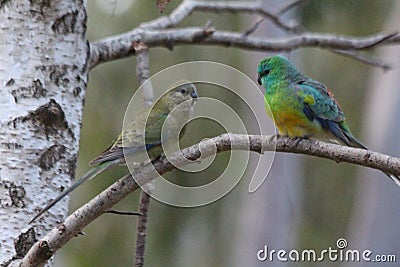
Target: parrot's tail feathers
117, 152
337, 131
394, 178
358, 144
354, 141
87, 176
108, 155
341, 131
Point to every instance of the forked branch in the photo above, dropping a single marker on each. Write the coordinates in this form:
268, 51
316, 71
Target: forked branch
156, 34
55, 239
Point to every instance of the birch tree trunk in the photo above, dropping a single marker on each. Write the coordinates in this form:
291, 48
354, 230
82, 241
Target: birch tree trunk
43, 76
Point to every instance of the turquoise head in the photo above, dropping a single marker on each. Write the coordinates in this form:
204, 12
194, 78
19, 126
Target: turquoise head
276, 68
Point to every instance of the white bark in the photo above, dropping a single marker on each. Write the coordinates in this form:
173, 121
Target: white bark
43, 76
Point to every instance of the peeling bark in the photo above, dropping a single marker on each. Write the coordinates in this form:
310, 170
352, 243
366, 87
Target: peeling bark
43, 76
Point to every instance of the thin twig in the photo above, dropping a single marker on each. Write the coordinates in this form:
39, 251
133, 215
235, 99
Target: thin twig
141, 228
252, 7
73, 224
292, 6
188, 7
142, 73
125, 213
253, 28
367, 59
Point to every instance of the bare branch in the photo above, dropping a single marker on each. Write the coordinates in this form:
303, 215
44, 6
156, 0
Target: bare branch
124, 213
188, 7
143, 73
252, 7
141, 228
161, 5
292, 6
42, 250
253, 28
370, 60
73, 224
120, 46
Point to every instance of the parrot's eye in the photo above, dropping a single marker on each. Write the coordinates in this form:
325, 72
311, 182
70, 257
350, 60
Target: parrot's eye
266, 72
183, 90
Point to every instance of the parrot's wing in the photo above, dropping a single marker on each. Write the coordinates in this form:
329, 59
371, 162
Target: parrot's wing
117, 152
142, 134
319, 100
320, 105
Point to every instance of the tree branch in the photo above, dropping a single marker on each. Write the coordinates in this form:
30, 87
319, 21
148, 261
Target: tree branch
120, 46
142, 73
367, 59
73, 224
186, 8
292, 6
141, 228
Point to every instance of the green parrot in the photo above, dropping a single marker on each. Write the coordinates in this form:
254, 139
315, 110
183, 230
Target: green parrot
147, 132
302, 107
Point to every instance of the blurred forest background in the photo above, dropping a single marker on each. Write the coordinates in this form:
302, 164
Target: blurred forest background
305, 203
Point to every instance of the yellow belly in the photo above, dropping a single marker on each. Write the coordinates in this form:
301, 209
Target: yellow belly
292, 124
291, 121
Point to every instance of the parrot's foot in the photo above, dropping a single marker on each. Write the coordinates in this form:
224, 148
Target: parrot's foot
197, 161
273, 137
297, 139
158, 158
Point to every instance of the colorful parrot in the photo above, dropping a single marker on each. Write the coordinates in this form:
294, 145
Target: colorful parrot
148, 131
302, 107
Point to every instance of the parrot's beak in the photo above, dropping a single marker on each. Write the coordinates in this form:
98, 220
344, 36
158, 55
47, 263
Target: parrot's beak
259, 79
193, 94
